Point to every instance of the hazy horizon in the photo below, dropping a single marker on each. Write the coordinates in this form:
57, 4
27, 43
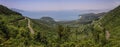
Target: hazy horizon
57, 5
67, 9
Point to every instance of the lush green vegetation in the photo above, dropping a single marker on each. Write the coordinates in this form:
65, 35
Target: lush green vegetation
14, 32
6, 11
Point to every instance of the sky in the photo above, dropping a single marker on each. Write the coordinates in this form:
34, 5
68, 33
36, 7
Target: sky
57, 5
60, 9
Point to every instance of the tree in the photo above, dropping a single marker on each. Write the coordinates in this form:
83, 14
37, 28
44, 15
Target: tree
63, 33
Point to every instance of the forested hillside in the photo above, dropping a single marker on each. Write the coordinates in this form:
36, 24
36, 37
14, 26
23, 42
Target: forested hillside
19, 31
15, 29
111, 26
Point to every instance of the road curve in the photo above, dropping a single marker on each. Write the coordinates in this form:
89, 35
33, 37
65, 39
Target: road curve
107, 35
29, 26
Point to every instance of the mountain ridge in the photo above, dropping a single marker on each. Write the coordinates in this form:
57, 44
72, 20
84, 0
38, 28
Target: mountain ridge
27, 32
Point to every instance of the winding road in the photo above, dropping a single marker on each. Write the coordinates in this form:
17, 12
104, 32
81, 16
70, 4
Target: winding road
107, 35
28, 23
29, 26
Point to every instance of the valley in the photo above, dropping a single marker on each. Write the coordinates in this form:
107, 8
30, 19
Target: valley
91, 30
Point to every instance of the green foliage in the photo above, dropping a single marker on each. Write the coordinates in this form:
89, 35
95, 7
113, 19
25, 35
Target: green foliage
4, 10
14, 32
63, 33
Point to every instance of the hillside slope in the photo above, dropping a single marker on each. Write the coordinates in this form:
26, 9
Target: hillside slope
13, 27
111, 23
17, 30
108, 28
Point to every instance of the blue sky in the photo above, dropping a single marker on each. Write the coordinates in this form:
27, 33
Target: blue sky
56, 5
60, 9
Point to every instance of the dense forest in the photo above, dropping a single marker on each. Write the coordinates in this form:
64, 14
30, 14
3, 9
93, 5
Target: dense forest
20, 31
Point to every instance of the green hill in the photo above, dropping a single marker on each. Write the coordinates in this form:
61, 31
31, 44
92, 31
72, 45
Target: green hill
19, 31
15, 30
13, 27
48, 21
109, 27
88, 18
6, 11
111, 23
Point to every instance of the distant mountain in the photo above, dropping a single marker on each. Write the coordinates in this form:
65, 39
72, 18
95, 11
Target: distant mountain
17, 10
88, 18
84, 18
46, 20
63, 15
